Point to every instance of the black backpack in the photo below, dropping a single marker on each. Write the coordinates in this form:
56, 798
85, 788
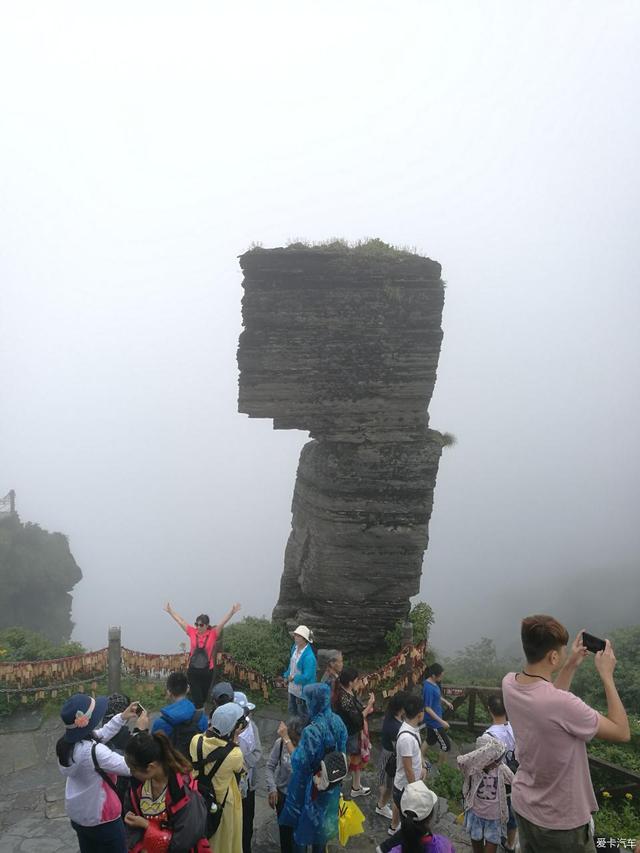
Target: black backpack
205, 782
199, 659
511, 761
183, 733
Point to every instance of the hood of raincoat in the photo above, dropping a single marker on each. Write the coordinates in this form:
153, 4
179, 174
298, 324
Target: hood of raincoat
318, 698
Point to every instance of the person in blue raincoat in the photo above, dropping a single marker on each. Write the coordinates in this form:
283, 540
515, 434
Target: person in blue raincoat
314, 814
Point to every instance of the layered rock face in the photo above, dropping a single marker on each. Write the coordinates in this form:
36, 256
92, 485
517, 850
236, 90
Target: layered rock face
344, 343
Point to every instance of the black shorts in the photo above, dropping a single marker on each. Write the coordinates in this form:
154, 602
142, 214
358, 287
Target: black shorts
439, 737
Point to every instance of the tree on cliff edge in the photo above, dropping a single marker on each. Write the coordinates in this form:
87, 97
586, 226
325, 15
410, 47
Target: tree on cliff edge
37, 572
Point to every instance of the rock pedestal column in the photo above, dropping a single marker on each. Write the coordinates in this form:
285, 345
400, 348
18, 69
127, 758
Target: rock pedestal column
344, 343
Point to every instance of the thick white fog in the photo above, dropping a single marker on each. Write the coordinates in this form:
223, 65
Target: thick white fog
144, 146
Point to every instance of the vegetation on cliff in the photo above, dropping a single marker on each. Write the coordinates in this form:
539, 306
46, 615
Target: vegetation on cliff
22, 644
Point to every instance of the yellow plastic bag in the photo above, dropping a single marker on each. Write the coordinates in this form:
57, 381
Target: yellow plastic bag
350, 820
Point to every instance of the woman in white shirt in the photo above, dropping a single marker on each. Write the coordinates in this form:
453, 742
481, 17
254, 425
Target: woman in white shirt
90, 769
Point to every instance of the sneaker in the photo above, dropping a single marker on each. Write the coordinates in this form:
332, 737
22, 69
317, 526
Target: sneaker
393, 829
384, 811
362, 791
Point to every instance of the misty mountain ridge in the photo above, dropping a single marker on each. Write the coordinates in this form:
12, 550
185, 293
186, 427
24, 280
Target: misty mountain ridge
599, 602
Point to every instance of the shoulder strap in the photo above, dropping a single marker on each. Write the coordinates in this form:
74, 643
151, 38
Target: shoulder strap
101, 773
413, 734
216, 756
166, 718
217, 763
135, 800
196, 716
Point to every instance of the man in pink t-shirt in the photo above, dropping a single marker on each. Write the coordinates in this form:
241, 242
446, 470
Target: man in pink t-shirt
552, 794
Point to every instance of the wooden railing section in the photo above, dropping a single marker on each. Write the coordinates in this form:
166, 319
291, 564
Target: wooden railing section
477, 696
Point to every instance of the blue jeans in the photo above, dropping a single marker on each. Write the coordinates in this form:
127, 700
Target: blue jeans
297, 706
103, 838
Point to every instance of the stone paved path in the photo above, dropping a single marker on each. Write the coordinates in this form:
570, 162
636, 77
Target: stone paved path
32, 817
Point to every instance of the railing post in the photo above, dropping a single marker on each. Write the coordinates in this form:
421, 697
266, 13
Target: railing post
407, 640
114, 665
407, 634
215, 677
471, 716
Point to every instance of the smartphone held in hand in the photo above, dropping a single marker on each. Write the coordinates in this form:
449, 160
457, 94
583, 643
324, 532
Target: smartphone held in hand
593, 644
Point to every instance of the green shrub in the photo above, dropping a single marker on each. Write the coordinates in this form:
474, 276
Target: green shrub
617, 818
422, 618
478, 664
23, 644
258, 643
448, 784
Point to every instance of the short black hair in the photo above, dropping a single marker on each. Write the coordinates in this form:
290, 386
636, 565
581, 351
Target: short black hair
203, 618
347, 676
396, 703
177, 684
435, 669
496, 706
412, 706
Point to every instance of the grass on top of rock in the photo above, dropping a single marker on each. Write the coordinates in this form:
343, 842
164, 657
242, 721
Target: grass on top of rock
369, 247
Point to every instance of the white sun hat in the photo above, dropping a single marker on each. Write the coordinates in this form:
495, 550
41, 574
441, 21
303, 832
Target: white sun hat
303, 631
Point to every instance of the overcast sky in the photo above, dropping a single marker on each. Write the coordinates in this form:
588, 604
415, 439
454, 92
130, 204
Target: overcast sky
144, 145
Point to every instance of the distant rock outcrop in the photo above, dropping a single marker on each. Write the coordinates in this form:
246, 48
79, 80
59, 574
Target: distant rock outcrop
344, 342
38, 572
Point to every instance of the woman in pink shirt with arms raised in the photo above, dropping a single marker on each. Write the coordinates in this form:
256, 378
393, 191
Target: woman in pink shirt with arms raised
202, 637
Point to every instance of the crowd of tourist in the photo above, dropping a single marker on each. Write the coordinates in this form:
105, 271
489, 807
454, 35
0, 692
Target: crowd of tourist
188, 781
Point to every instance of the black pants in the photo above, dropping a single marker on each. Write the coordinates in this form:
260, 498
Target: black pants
103, 838
199, 684
248, 813
389, 843
287, 844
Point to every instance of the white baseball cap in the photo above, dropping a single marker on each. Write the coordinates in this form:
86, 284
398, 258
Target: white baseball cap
225, 718
241, 699
303, 631
419, 799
